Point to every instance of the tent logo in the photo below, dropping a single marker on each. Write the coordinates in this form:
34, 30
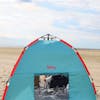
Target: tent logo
51, 67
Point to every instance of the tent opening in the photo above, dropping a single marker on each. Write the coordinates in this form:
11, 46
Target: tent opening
51, 86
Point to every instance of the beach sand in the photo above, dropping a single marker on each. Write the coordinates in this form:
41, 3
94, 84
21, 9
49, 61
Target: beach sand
8, 57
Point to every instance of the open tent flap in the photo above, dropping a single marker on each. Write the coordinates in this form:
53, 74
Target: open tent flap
52, 86
21, 88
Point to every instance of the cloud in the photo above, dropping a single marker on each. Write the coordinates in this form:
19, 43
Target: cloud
25, 0
84, 22
23, 19
27, 21
80, 6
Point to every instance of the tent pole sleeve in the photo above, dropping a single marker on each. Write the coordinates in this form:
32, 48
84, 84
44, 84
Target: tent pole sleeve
33, 42
15, 66
83, 63
22, 53
86, 70
66, 43
5, 91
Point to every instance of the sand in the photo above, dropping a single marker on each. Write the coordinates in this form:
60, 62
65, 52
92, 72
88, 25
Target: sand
8, 57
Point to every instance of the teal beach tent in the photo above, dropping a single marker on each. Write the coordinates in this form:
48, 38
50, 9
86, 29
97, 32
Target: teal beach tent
45, 55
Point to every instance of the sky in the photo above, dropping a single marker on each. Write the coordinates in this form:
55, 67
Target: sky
75, 21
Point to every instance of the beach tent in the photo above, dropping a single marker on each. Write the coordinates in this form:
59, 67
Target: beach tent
49, 54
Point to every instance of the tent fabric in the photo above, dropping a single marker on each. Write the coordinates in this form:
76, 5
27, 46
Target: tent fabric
21, 88
37, 59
